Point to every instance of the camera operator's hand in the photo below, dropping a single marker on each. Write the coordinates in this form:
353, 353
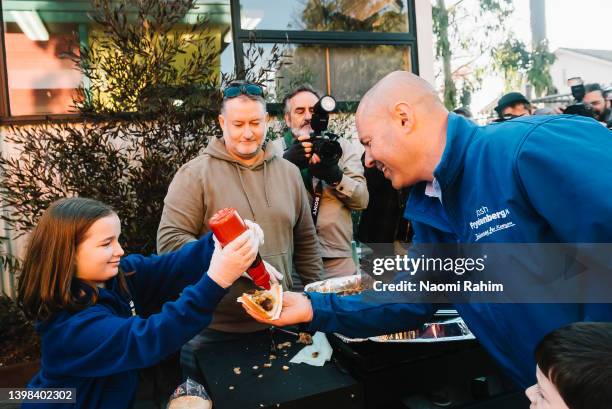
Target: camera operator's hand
304, 139
299, 152
327, 170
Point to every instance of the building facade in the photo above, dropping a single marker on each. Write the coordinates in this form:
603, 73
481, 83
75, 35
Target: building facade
591, 65
331, 43
342, 47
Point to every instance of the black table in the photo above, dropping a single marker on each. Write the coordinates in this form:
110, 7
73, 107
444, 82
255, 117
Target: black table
392, 371
301, 386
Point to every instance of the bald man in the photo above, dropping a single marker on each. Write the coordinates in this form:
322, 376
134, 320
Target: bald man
529, 180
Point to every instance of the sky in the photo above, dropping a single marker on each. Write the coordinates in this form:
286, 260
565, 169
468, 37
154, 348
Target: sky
569, 24
579, 24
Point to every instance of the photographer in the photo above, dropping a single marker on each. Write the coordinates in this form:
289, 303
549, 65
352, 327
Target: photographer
512, 105
336, 182
608, 96
594, 96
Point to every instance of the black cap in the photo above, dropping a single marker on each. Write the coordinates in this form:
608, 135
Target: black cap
509, 99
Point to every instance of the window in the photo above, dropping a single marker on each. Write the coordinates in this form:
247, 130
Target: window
321, 15
38, 34
341, 47
39, 80
346, 72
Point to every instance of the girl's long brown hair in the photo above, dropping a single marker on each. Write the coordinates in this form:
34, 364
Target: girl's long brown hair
48, 283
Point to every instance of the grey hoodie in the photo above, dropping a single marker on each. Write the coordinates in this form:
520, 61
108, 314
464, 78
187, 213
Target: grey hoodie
269, 192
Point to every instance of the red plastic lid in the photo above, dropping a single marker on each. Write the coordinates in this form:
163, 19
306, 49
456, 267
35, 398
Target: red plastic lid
226, 225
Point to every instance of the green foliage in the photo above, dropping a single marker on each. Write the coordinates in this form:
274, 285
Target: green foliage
501, 8
370, 63
517, 64
8, 262
19, 342
538, 73
149, 104
466, 32
339, 15
143, 59
443, 51
511, 58
472, 33
127, 164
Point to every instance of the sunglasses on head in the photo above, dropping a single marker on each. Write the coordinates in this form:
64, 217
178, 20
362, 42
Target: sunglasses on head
233, 90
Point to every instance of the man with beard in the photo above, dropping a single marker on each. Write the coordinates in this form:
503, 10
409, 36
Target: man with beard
594, 96
338, 183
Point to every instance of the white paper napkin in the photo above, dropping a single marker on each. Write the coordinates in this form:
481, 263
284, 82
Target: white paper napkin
320, 345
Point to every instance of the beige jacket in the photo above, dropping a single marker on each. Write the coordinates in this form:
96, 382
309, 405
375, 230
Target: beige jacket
270, 192
334, 222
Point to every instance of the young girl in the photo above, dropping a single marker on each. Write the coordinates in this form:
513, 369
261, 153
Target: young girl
87, 300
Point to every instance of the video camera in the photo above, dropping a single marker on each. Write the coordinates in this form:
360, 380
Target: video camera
578, 92
324, 144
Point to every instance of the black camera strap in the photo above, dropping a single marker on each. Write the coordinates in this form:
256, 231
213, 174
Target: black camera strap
316, 202
317, 191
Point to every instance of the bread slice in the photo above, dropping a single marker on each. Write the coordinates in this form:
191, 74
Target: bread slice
266, 304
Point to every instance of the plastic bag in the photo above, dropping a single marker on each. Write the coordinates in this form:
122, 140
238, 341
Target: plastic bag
346, 285
189, 395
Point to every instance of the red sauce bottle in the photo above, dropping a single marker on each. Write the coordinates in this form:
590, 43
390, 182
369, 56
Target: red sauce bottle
226, 225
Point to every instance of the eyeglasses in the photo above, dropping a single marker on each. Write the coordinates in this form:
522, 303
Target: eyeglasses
233, 90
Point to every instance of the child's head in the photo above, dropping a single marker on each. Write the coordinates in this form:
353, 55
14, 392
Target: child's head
574, 368
74, 243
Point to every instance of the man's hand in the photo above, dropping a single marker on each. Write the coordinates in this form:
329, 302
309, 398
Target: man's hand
327, 170
297, 309
299, 152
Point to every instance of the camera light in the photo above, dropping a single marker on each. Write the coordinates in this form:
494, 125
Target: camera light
328, 103
574, 81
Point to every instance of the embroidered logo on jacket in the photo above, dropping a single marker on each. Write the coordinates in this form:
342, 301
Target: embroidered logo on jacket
484, 218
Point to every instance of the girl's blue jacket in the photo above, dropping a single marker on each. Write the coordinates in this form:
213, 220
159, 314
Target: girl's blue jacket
99, 350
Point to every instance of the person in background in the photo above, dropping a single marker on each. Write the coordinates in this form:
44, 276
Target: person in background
512, 105
574, 368
595, 97
464, 112
608, 95
339, 183
545, 111
382, 222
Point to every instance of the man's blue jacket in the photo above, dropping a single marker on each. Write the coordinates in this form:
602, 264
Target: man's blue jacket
547, 179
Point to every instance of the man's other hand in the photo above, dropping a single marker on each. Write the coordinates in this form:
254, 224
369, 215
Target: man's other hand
299, 152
